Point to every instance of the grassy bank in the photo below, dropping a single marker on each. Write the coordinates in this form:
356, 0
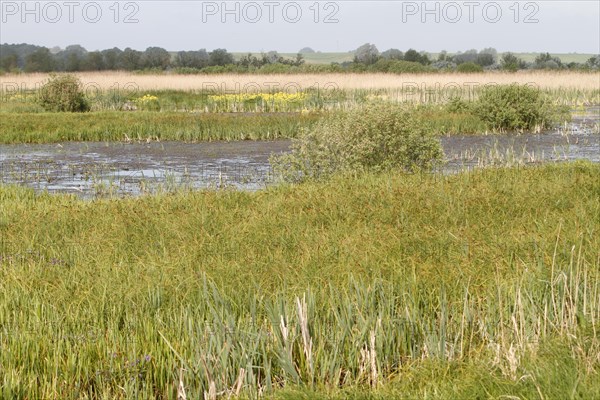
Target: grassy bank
191, 127
148, 125
481, 284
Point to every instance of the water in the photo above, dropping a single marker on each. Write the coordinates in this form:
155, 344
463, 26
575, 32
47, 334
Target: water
92, 169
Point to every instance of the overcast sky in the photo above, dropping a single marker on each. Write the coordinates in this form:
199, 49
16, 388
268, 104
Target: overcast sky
288, 26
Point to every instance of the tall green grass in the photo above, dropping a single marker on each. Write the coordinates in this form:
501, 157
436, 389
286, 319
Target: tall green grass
147, 125
192, 127
477, 285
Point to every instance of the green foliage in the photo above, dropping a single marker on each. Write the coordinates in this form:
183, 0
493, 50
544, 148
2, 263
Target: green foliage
63, 93
458, 105
512, 63
516, 108
398, 67
145, 125
469, 67
379, 137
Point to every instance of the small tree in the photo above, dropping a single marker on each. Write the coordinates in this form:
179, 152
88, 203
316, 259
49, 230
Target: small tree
63, 93
510, 62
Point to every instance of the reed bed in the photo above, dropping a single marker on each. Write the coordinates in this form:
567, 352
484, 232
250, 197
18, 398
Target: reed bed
480, 284
237, 83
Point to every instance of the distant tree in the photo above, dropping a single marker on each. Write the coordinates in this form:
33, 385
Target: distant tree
393, 54
22, 51
130, 59
414, 56
298, 61
40, 61
546, 61
9, 62
366, 54
510, 62
306, 50
249, 60
220, 57
485, 59
271, 57
467, 56
593, 62
94, 62
71, 58
490, 50
443, 56
542, 58
156, 57
72, 62
192, 59
111, 58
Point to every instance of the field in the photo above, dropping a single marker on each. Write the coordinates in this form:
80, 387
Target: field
483, 284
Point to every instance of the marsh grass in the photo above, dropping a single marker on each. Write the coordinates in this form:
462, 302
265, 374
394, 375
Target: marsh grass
149, 126
480, 284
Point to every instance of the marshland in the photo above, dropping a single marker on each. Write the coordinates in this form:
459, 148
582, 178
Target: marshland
337, 236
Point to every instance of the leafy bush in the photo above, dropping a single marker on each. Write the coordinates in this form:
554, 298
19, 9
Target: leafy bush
63, 93
469, 67
516, 108
380, 137
458, 106
398, 67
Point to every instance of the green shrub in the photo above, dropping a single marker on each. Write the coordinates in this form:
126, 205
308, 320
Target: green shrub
398, 67
517, 108
469, 67
380, 137
63, 93
457, 105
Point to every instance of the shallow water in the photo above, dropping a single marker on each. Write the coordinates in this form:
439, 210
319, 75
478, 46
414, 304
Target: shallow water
93, 169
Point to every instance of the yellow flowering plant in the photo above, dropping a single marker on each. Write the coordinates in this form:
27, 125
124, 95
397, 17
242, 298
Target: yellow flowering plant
148, 102
239, 102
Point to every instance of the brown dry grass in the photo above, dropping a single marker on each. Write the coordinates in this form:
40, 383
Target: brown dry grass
236, 82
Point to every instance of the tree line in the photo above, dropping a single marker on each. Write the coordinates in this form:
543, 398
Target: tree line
473, 60
31, 58
74, 58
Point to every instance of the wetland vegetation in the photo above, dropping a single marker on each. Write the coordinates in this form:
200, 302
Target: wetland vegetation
484, 283
373, 278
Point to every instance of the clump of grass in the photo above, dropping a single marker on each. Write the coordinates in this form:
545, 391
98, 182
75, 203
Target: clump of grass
391, 285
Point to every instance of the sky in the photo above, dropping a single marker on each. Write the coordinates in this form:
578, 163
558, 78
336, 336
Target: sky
287, 26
